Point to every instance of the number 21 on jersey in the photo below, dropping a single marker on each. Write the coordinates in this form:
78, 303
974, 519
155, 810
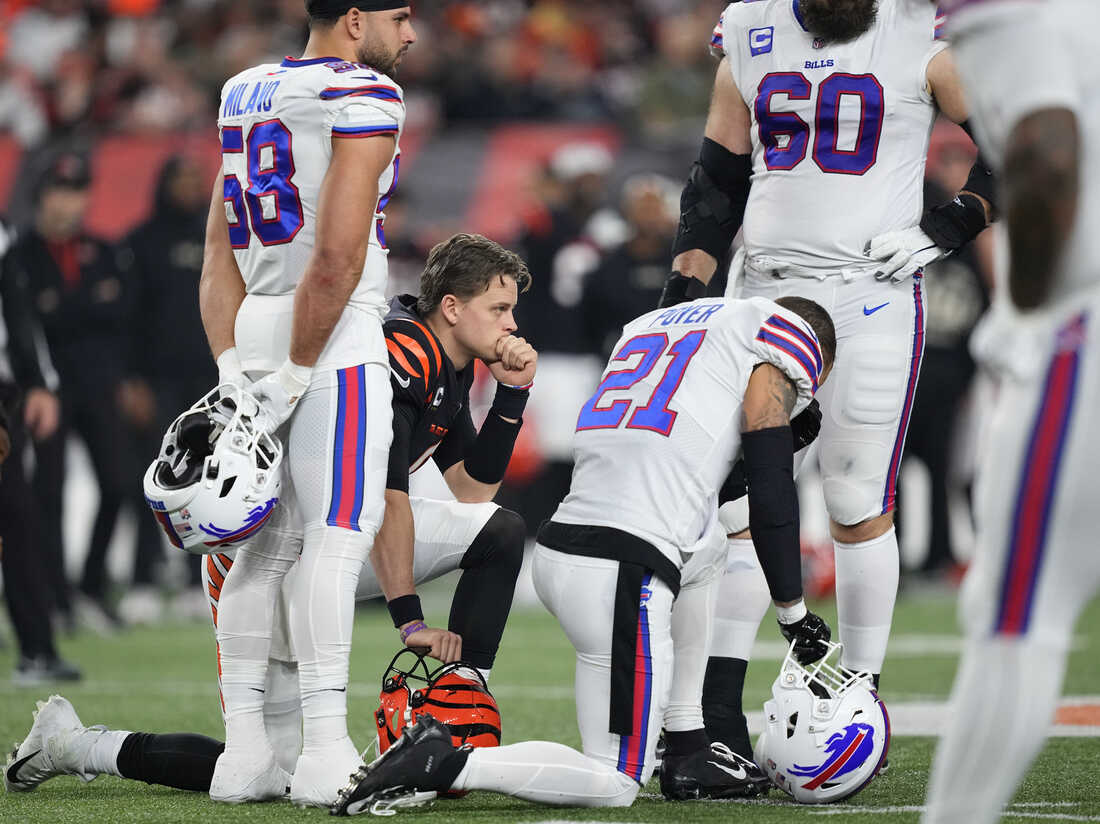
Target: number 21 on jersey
655, 414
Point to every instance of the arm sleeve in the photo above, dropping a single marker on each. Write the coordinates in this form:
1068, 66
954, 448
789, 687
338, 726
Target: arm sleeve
788, 343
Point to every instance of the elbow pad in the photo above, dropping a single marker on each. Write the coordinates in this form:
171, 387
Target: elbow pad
773, 509
712, 204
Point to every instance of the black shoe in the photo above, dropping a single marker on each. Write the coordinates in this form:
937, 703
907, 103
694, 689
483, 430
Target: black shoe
422, 760
716, 772
659, 754
42, 669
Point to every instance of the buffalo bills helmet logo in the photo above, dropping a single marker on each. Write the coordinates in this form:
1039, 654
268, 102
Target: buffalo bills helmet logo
847, 750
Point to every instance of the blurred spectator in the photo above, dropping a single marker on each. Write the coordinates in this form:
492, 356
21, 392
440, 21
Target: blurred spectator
85, 304
165, 260
28, 405
629, 279
562, 244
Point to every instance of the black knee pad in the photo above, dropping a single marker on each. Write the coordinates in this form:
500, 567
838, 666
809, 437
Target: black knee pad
500, 542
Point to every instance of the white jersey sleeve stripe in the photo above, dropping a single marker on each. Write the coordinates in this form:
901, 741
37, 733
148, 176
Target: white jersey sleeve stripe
379, 91
363, 131
806, 338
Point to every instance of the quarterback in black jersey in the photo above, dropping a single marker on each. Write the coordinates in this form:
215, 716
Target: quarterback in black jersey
463, 313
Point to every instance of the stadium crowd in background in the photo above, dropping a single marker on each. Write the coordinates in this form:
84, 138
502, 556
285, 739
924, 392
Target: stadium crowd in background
594, 226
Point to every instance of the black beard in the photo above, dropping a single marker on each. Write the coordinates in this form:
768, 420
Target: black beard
838, 21
378, 60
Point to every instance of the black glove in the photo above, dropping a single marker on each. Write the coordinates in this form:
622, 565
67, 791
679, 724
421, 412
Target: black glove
805, 425
808, 634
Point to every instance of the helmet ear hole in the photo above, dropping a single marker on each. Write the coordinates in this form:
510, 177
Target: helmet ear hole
227, 485
792, 724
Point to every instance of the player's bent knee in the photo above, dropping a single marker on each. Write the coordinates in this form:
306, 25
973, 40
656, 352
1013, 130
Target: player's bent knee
734, 515
500, 542
851, 497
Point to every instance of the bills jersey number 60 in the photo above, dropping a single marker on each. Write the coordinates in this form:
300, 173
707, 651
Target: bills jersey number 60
655, 414
786, 136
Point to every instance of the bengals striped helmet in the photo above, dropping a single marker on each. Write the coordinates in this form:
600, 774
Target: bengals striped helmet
454, 694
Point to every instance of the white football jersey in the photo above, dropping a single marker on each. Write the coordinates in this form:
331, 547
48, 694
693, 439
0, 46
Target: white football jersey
1019, 57
277, 123
839, 131
658, 437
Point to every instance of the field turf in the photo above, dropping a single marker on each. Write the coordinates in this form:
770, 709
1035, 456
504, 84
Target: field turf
160, 680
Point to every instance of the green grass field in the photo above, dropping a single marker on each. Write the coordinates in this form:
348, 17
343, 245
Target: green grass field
161, 680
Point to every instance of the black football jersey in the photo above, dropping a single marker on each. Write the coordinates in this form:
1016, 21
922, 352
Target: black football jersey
431, 399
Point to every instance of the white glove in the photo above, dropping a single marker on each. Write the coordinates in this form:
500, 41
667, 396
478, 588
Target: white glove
229, 368
903, 253
279, 392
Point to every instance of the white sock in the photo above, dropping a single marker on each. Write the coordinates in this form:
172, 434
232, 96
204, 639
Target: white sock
546, 773
1002, 704
866, 588
283, 712
245, 614
743, 601
322, 611
691, 630
102, 757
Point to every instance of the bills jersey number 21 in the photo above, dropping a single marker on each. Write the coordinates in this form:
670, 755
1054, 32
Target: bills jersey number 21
655, 414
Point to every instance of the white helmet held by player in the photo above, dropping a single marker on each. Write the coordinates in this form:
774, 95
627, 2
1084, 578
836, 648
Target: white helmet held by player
826, 731
216, 480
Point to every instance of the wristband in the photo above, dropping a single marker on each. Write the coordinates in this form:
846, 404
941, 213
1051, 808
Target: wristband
405, 608
791, 615
294, 378
510, 401
416, 626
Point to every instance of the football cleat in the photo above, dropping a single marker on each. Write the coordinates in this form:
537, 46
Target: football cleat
319, 775
57, 744
424, 760
242, 777
716, 772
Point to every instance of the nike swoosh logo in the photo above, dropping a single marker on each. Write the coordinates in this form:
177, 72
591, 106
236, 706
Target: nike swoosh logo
403, 381
736, 773
13, 770
867, 311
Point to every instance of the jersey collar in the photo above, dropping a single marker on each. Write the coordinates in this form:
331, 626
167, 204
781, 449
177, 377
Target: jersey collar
294, 61
798, 15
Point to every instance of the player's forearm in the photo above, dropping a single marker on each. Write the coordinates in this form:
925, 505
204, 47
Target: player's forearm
1040, 192
466, 489
221, 288
695, 263
320, 300
391, 556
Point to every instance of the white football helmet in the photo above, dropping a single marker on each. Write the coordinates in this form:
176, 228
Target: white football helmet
826, 732
216, 480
